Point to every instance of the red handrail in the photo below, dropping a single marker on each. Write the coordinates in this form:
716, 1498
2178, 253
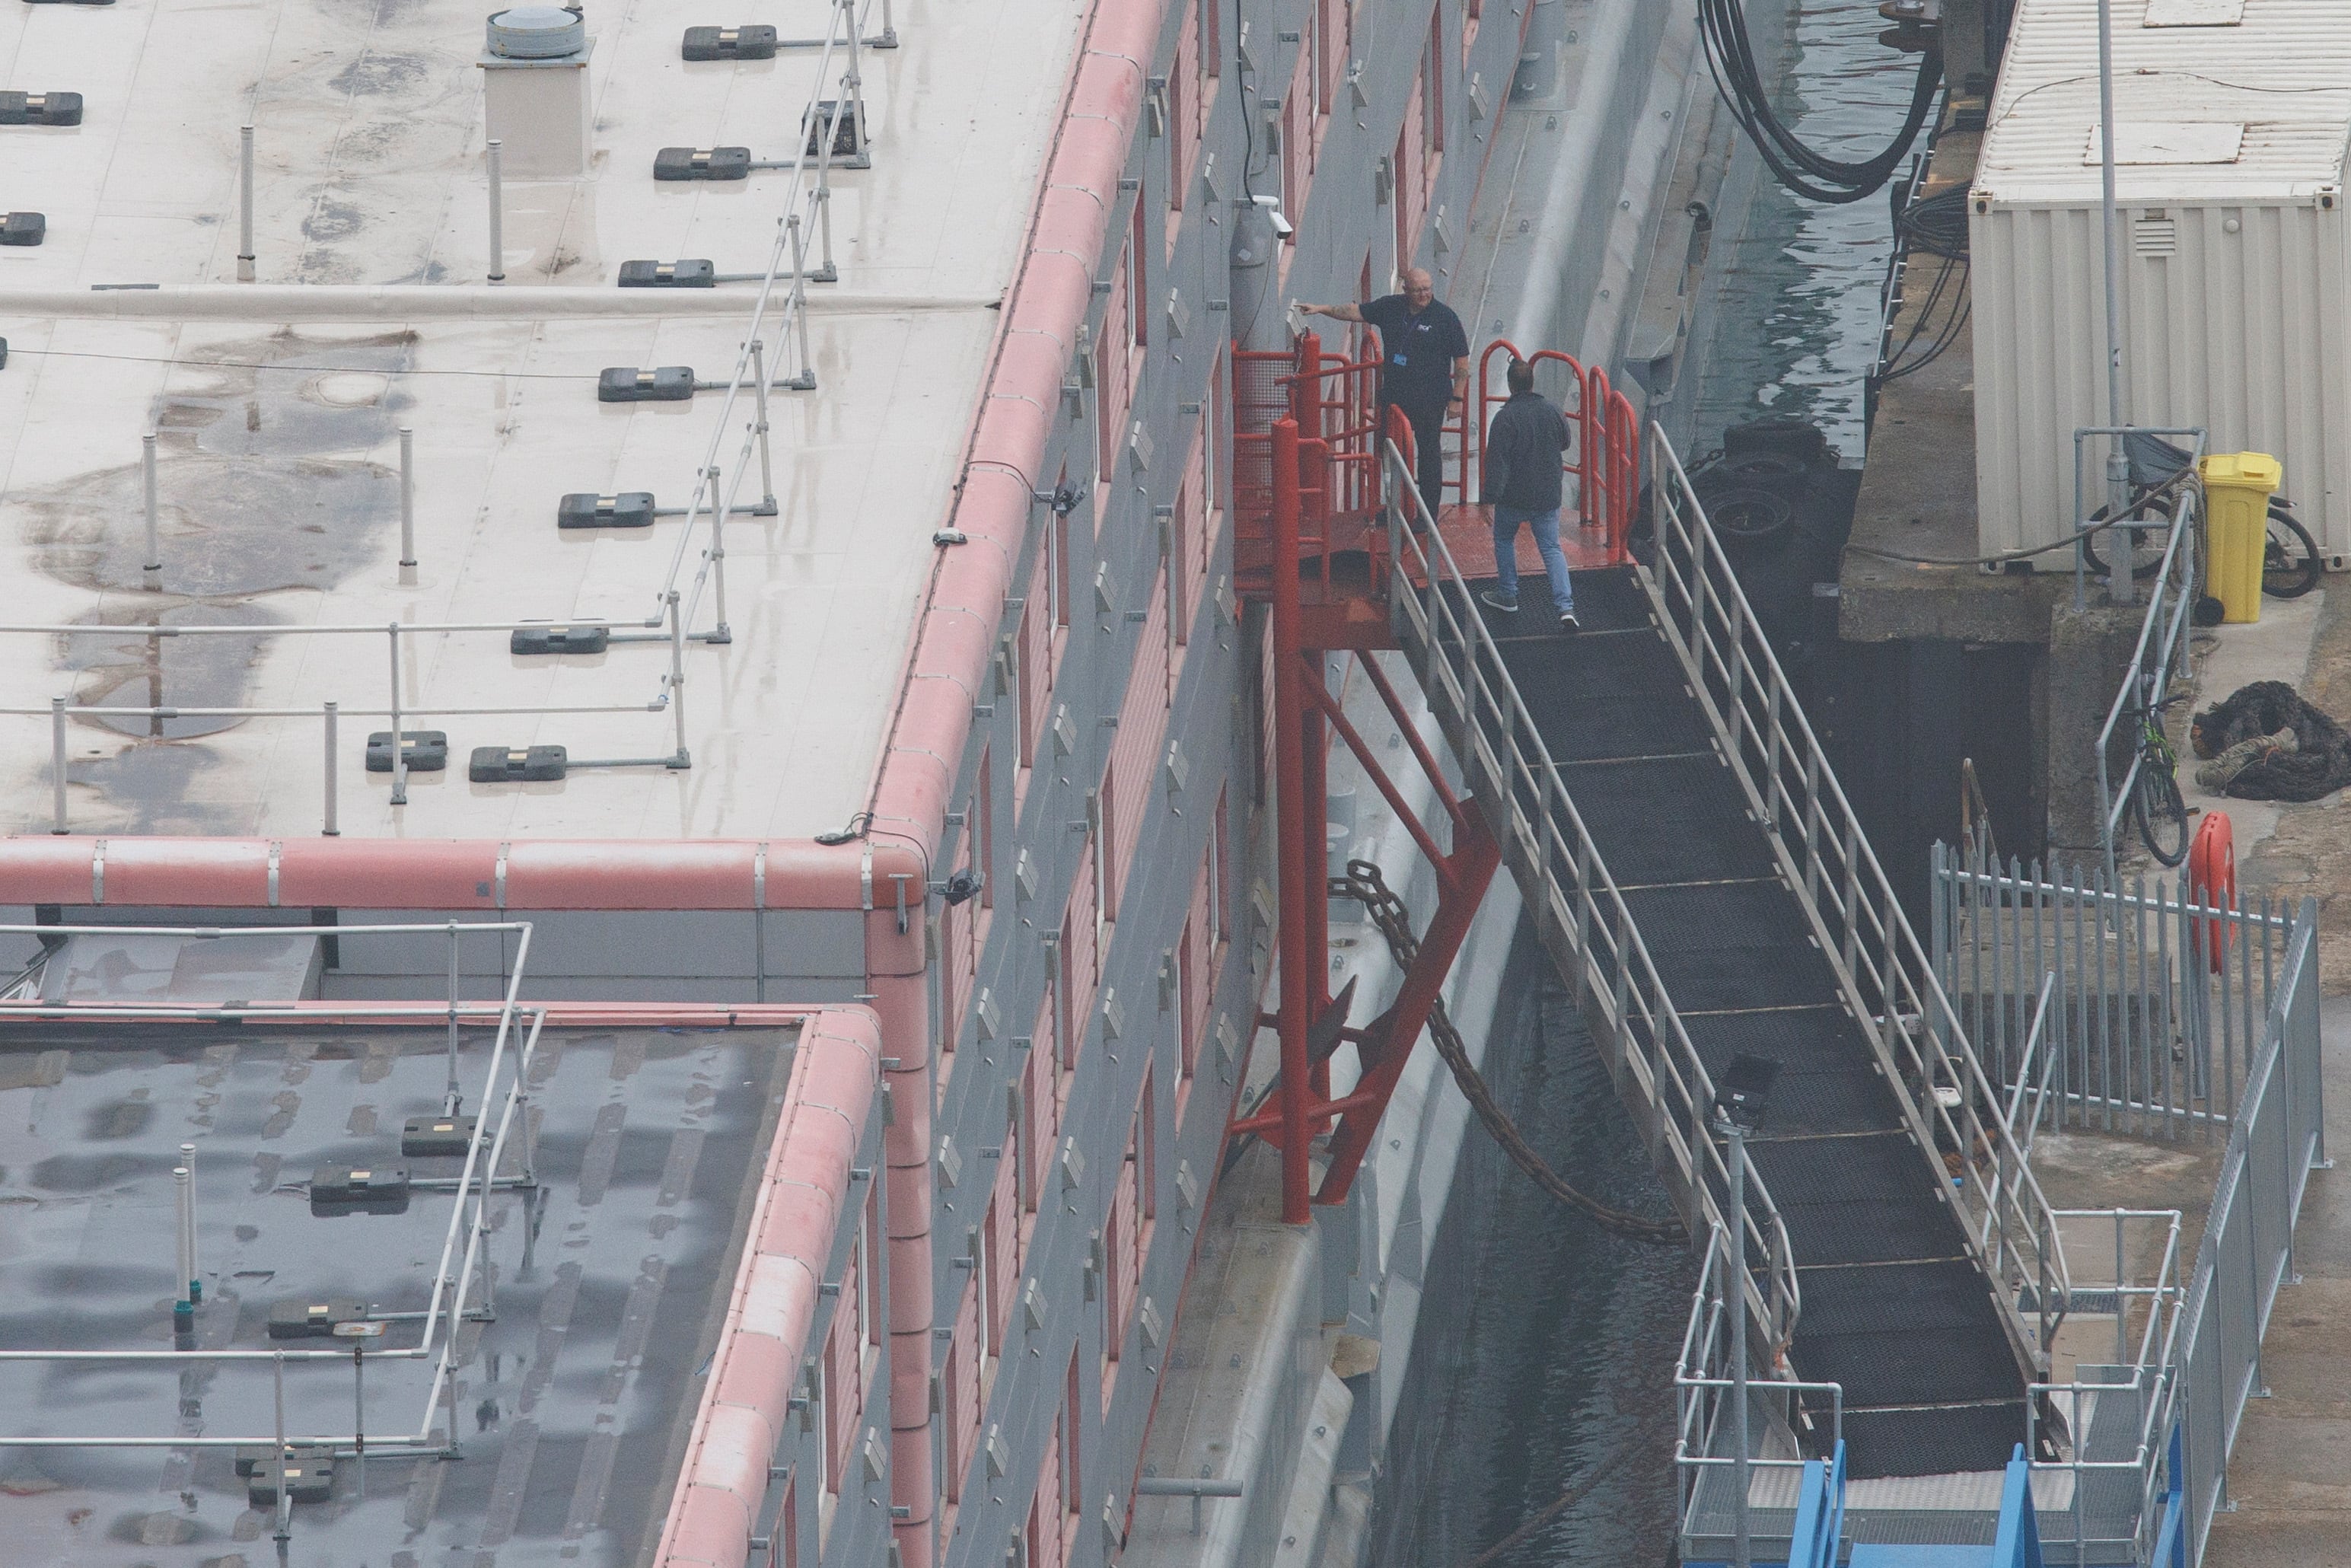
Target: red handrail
1333, 401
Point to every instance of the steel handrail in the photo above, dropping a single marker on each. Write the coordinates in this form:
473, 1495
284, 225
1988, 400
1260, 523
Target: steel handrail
1700, 1395
448, 1302
2154, 1378
804, 208
1503, 737
2143, 685
1862, 927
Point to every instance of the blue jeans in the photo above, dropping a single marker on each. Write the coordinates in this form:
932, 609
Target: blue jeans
1506, 554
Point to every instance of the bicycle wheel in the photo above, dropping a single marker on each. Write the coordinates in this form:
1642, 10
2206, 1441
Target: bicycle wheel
2145, 546
2289, 563
2162, 814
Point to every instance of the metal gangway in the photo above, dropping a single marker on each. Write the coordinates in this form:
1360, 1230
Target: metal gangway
1888, 1271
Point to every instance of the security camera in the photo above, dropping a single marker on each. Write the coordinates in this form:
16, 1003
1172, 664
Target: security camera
963, 886
1283, 229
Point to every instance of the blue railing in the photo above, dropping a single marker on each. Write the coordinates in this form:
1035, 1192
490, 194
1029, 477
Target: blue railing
1820, 1513
2018, 1544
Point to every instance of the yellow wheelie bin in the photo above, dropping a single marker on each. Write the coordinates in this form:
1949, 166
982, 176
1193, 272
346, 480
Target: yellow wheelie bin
2237, 490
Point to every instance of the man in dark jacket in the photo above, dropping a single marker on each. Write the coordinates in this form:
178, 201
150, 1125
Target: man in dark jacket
1424, 367
1521, 478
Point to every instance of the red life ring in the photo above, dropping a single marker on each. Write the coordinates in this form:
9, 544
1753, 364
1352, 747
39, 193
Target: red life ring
2212, 881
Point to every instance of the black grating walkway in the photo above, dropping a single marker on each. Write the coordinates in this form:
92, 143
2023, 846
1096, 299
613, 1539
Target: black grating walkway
1894, 1308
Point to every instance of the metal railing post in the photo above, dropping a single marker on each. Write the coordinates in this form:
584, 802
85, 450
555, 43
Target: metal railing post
407, 507
498, 215
332, 828
58, 764
153, 559
192, 1287
284, 1506
1742, 1553
766, 469
244, 272
805, 378
720, 632
452, 1096
398, 741
681, 758
183, 1264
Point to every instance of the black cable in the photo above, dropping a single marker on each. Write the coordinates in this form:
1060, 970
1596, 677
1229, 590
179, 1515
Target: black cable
1725, 21
2099, 524
1731, 60
1936, 225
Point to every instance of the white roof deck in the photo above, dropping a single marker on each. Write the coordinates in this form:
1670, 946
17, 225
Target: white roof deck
279, 487
2215, 100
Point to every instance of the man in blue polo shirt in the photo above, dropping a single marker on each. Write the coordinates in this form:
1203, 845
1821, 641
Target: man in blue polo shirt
1424, 366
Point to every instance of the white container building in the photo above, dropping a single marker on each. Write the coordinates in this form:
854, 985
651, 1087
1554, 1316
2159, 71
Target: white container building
2232, 119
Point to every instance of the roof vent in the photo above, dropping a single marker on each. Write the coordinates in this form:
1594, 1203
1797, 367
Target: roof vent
536, 33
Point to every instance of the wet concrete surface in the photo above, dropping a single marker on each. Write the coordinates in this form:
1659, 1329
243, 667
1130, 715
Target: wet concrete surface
568, 1403
2306, 852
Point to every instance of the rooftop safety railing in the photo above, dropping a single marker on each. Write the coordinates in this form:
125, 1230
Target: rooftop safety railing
689, 598
1574, 904
1952, 1108
465, 1292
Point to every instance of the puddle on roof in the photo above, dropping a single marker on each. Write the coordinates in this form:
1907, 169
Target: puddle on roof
261, 491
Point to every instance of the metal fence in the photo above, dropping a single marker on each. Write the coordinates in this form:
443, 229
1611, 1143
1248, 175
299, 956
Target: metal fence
1946, 1100
2158, 1000
2276, 1139
2141, 1010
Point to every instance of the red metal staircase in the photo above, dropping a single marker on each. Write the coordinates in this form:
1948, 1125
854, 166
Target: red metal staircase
1310, 542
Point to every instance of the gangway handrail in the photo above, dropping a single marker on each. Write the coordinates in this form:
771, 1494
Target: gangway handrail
1950, 1104
1461, 666
1704, 1391
2160, 656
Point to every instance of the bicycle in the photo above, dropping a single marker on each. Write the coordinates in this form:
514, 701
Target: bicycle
2156, 803
2289, 563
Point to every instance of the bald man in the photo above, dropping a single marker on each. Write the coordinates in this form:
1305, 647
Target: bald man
1424, 366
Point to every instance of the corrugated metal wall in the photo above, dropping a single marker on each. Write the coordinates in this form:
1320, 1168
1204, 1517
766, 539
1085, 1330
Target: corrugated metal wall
2240, 328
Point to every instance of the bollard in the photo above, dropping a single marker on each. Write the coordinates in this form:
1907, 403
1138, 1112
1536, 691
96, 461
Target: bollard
497, 218
245, 273
154, 559
331, 829
407, 507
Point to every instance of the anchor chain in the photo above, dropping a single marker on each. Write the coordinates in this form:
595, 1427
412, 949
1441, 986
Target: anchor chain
1364, 885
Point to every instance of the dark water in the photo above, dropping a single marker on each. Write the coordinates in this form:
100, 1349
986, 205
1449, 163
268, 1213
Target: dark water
1797, 319
1544, 1359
